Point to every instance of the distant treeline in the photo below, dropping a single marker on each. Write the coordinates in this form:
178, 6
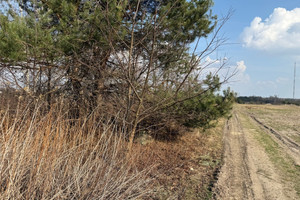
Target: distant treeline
267, 100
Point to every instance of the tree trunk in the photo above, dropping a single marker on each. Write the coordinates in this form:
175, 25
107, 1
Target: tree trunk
133, 131
49, 89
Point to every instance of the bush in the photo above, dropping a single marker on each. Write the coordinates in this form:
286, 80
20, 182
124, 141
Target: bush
203, 112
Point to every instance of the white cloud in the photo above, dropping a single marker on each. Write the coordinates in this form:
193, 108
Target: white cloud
236, 71
280, 32
240, 77
209, 61
241, 66
241, 81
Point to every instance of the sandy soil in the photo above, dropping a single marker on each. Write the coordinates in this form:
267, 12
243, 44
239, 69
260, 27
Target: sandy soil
247, 172
285, 140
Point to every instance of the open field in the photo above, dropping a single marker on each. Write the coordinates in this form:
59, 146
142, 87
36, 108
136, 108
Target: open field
261, 156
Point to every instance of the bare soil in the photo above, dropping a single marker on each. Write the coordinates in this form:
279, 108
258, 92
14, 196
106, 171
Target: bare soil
249, 170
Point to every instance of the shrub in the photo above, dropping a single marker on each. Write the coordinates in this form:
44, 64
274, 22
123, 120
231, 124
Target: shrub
203, 111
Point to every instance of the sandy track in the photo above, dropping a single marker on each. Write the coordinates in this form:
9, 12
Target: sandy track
247, 172
290, 146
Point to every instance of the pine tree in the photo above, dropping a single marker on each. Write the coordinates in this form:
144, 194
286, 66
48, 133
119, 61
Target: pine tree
131, 57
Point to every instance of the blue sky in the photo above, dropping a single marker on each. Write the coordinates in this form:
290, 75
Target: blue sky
264, 43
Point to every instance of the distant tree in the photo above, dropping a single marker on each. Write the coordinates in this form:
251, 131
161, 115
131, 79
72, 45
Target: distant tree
266, 100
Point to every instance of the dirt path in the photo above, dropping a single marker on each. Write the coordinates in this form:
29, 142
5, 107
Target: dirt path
287, 143
247, 172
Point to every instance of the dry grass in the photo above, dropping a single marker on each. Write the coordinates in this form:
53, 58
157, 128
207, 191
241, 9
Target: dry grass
280, 117
44, 157
47, 156
185, 168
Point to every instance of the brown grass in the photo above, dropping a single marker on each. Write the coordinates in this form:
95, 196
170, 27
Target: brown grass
44, 157
47, 156
185, 168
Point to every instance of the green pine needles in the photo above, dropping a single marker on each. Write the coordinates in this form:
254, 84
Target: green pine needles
131, 58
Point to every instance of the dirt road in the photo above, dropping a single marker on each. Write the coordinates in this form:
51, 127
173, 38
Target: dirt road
250, 170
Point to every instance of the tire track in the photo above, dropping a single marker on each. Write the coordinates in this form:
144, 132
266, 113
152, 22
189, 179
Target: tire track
234, 179
247, 172
291, 147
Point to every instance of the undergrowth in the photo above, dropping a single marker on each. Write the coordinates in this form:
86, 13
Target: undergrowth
46, 156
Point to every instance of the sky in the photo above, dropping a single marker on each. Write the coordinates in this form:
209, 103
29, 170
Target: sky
263, 44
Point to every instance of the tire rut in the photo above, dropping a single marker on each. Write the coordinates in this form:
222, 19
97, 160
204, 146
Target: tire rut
234, 173
291, 147
247, 172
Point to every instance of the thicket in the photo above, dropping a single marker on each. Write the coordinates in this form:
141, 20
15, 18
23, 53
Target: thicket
138, 62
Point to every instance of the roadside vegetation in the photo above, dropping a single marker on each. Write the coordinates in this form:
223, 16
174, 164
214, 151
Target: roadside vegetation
133, 60
51, 157
98, 99
44, 157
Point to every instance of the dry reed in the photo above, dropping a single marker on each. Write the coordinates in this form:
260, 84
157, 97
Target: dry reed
47, 157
